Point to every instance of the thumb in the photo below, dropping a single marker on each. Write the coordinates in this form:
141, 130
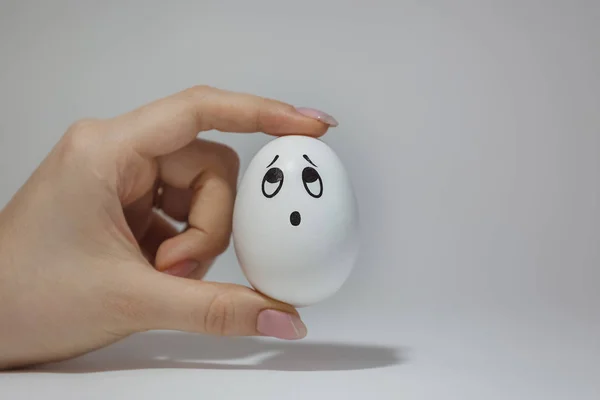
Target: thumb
175, 303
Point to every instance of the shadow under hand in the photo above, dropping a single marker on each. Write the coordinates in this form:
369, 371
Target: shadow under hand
180, 350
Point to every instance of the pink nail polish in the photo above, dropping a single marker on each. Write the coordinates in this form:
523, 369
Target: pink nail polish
183, 268
318, 115
280, 325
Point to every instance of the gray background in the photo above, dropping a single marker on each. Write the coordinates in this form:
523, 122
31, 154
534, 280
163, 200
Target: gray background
471, 130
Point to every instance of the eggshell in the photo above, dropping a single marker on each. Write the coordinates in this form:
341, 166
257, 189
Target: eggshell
295, 222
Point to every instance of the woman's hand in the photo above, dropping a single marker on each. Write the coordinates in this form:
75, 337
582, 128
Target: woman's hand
85, 260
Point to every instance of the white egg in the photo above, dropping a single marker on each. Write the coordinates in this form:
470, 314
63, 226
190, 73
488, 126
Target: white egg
295, 222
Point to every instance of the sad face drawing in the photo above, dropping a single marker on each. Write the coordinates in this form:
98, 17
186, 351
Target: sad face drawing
274, 179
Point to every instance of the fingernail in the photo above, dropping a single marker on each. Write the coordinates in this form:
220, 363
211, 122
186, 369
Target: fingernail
280, 325
318, 115
183, 268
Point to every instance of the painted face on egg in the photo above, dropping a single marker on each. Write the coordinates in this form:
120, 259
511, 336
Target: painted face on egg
295, 221
311, 180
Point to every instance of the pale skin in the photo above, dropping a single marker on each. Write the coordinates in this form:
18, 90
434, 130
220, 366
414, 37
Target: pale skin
86, 260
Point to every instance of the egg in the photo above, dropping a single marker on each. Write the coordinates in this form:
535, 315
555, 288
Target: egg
295, 221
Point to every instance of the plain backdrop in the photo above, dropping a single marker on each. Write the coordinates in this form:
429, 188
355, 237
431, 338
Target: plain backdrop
471, 131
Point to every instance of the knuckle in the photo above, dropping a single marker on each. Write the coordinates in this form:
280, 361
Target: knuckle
84, 125
220, 315
201, 88
194, 96
233, 158
230, 157
81, 137
198, 91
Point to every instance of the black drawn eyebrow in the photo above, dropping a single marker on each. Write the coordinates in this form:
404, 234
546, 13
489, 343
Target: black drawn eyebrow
308, 159
273, 162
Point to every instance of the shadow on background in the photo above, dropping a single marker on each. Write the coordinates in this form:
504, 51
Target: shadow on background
177, 350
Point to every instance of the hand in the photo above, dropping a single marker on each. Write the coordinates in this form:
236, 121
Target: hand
85, 259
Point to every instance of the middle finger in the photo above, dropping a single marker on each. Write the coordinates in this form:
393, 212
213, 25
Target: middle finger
204, 174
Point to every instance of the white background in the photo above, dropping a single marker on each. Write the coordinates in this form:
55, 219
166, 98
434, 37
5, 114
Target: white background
471, 130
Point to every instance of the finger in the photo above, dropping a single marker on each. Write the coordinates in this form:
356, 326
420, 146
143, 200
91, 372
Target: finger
182, 168
176, 202
169, 124
210, 224
211, 170
159, 230
174, 303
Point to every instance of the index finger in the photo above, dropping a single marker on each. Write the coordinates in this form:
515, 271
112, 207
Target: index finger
171, 123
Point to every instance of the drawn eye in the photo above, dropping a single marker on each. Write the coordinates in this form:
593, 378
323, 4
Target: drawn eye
312, 182
272, 182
